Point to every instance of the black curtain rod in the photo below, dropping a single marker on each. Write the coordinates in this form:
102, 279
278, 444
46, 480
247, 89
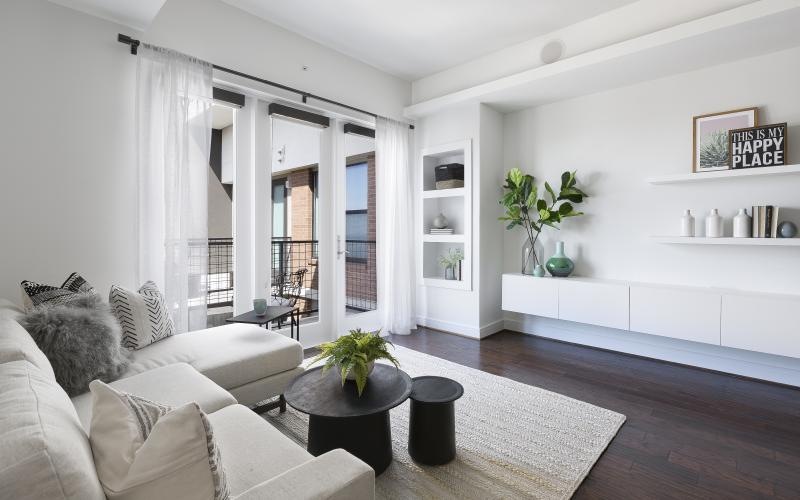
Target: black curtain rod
134, 44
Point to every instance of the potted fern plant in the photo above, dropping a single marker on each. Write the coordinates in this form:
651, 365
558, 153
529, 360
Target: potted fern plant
354, 355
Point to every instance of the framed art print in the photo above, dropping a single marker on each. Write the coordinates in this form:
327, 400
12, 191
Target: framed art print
710, 141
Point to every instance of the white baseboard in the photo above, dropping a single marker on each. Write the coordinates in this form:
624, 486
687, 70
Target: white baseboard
756, 365
462, 329
492, 328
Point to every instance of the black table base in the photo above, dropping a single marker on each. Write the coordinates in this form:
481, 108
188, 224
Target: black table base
431, 432
367, 437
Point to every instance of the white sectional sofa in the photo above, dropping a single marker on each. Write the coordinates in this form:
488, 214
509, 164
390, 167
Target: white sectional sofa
44, 435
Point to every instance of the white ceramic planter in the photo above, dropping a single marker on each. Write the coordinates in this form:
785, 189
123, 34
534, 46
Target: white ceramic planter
713, 224
742, 225
687, 223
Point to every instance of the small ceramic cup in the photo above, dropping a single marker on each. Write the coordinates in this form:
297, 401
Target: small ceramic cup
260, 306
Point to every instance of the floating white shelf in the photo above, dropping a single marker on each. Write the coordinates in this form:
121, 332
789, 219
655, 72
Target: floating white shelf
443, 238
765, 242
725, 174
443, 193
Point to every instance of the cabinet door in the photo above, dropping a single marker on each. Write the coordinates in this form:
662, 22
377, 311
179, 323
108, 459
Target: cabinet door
677, 313
529, 295
761, 323
602, 304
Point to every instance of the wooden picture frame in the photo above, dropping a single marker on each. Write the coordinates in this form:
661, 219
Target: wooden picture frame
710, 141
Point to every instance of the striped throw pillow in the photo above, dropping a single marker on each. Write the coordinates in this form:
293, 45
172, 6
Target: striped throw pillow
36, 294
142, 314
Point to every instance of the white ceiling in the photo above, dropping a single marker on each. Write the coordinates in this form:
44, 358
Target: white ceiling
137, 14
415, 38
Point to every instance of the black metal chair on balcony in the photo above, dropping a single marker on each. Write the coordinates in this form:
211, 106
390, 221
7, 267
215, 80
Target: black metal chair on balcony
286, 289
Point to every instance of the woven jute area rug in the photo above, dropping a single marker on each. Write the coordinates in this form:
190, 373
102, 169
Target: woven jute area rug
513, 440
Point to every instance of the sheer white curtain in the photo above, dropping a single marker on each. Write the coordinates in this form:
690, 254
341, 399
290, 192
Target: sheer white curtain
173, 128
394, 179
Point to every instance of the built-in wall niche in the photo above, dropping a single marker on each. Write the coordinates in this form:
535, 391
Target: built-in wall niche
455, 203
433, 272
431, 161
451, 207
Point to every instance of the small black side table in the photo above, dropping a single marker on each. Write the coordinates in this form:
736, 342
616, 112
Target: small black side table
339, 418
274, 313
432, 423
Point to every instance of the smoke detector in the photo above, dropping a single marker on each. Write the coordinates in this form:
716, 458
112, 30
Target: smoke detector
552, 51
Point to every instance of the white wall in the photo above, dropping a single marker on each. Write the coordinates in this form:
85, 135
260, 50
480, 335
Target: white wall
615, 140
446, 309
490, 247
227, 36
68, 199
300, 144
475, 313
68, 194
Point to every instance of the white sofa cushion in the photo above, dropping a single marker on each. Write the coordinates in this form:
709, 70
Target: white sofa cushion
230, 355
45, 451
335, 475
9, 309
268, 452
16, 344
149, 451
172, 385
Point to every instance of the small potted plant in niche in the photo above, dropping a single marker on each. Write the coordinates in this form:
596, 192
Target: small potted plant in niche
354, 355
524, 208
451, 262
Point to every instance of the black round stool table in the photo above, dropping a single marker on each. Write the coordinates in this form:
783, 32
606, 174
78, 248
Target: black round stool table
339, 418
432, 423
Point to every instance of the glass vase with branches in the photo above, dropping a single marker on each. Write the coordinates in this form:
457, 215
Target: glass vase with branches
524, 207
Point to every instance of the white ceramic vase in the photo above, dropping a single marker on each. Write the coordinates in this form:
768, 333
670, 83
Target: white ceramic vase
742, 225
440, 221
687, 223
713, 224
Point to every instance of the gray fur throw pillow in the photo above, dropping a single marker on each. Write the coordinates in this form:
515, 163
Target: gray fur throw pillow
82, 340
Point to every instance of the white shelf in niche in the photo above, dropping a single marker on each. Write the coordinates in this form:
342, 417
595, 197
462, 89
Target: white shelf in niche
443, 283
726, 174
443, 238
443, 193
764, 242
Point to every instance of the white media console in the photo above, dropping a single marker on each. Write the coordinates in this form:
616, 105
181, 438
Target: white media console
760, 322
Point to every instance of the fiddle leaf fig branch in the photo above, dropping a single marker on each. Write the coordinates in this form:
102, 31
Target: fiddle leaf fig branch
524, 207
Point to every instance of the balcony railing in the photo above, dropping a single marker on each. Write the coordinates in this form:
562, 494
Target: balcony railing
289, 256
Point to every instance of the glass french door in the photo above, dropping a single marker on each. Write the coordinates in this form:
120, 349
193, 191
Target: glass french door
356, 233
321, 207
300, 255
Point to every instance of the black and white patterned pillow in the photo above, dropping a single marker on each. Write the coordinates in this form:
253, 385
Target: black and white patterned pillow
36, 294
143, 315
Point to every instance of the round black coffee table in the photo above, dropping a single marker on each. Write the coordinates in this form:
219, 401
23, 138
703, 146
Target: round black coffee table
432, 421
339, 418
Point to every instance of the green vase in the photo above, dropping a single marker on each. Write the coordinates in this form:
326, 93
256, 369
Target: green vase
559, 265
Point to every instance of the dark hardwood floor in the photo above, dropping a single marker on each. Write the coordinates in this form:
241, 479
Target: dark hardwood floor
689, 433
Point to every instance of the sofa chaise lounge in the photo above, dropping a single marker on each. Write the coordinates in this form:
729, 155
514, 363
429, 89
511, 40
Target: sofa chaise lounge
44, 435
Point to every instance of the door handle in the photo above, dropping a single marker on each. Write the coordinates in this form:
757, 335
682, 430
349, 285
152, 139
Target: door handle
339, 250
